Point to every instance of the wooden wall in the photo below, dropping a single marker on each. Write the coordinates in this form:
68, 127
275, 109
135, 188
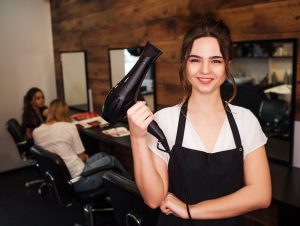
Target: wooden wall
96, 25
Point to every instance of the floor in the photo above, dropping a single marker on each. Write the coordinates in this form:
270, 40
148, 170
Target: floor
32, 209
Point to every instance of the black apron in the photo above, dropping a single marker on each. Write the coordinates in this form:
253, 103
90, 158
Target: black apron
195, 176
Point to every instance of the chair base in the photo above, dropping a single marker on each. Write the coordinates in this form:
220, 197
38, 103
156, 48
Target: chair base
89, 212
33, 182
42, 189
38, 182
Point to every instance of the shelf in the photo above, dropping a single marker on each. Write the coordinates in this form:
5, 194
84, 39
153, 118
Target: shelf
284, 57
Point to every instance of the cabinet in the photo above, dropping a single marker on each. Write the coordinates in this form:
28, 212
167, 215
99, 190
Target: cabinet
268, 62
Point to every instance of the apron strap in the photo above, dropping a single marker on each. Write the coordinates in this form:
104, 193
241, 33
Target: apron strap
181, 123
234, 128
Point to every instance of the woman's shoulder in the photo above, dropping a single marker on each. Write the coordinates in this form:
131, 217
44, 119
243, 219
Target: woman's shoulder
167, 116
240, 111
64, 125
168, 111
243, 115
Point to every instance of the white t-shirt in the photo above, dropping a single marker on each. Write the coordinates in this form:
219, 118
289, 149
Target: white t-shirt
63, 139
252, 136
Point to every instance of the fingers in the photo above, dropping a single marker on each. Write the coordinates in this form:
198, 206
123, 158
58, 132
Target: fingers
164, 207
172, 205
140, 114
139, 117
135, 107
165, 210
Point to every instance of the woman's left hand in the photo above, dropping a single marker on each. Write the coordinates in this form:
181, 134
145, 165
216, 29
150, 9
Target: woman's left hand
172, 205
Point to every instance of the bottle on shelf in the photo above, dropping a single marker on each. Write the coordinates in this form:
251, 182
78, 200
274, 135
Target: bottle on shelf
274, 78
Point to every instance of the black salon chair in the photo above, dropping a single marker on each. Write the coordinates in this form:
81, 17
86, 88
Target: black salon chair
23, 146
274, 118
129, 207
60, 185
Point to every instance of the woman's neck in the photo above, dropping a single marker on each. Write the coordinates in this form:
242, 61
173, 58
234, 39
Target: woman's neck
205, 103
51, 122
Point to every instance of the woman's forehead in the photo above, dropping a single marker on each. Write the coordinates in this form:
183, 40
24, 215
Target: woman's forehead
206, 47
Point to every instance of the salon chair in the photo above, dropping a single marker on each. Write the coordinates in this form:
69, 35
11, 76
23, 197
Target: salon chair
273, 115
23, 147
129, 206
61, 185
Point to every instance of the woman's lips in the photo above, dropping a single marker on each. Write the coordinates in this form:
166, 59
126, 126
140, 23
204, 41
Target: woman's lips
205, 80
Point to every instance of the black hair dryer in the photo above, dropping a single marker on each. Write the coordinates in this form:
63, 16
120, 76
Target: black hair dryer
123, 95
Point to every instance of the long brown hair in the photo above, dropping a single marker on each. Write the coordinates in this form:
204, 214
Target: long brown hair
207, 27
58, 111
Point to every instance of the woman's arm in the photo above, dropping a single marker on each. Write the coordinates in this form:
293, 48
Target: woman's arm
28, 132
45, 112
254, 195
150, 171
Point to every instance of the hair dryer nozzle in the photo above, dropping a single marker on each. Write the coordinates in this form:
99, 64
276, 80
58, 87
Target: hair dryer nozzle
123, 95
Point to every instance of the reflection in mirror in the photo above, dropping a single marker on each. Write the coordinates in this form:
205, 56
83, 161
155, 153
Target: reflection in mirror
121, 61
265, 74
75, 80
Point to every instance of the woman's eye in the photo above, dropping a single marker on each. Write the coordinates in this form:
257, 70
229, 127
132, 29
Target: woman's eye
194, 60
216, 61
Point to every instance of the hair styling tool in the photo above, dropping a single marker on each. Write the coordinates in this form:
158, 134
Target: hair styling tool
125, 94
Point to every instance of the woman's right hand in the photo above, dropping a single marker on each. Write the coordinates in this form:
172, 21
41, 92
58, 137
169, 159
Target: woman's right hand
139, 117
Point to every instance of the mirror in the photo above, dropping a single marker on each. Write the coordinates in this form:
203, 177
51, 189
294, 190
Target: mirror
121, 61
74, 75
265, 75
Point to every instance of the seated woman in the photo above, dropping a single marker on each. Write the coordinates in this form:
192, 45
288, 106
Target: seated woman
59, 135
34, 111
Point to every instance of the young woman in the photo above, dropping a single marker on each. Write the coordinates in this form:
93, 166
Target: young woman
34, 111
217, 169
59, 135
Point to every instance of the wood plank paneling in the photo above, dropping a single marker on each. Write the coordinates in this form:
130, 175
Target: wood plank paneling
95, 26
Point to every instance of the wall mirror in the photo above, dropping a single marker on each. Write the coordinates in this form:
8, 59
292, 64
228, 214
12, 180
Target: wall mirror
121, 61
265, 74
74, 74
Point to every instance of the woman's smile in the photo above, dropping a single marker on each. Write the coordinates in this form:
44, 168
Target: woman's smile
205, 80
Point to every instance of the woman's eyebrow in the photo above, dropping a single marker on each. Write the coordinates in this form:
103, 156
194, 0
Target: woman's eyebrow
212, 57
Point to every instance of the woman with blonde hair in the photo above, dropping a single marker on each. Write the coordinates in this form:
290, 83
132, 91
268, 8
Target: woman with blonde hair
60, 136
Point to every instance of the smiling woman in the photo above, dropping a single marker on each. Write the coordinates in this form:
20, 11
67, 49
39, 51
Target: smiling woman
218, 149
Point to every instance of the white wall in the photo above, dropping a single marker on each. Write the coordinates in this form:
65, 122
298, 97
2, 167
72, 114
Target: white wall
26, 60
296, 157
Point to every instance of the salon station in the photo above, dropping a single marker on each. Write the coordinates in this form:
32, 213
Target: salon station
79, 50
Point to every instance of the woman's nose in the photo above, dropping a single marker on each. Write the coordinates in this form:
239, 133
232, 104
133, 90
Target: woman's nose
205, 67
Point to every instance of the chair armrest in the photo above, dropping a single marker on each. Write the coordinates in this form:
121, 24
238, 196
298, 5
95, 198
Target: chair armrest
96, 170
21, 143
93, 171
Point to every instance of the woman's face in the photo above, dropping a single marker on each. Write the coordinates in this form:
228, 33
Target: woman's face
38, 100
205, 66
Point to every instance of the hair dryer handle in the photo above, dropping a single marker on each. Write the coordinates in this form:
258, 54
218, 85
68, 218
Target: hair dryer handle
156, 131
